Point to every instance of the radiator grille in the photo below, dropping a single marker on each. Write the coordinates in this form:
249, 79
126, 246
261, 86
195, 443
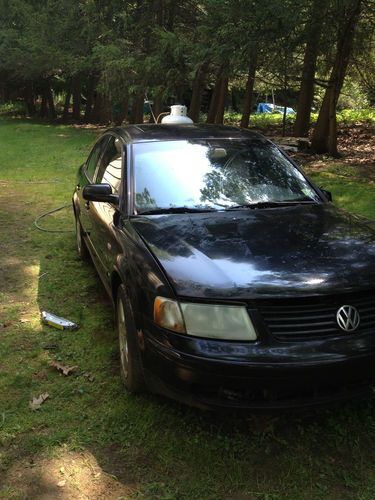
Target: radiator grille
315, 317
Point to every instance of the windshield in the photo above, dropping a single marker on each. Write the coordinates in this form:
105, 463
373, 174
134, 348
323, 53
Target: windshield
206, 174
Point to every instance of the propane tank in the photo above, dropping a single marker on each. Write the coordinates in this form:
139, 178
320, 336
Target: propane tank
177, 116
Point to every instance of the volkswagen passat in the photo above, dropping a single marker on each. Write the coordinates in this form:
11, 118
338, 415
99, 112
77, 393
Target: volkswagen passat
235, 280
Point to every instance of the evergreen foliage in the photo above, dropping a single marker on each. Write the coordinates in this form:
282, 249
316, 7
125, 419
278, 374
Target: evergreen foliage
99, 60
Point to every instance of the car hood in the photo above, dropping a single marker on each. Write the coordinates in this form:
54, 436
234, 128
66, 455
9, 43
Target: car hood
292, 250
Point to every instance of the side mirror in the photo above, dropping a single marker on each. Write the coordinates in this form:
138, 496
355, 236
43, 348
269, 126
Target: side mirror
327, 194
100, 192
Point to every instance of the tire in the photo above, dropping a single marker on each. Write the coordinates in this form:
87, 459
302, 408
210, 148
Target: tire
82, 250
130, 356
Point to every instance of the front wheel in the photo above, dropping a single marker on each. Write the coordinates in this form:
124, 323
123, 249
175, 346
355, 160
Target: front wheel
130, 356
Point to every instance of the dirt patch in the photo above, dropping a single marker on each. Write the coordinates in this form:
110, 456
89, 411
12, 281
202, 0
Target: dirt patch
356, 145
71, 475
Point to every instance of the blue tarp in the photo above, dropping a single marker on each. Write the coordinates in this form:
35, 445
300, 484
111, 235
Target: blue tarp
264, 107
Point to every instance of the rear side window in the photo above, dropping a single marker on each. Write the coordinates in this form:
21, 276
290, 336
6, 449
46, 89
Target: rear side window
109, 171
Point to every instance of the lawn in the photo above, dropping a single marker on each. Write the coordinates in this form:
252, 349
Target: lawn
90, 439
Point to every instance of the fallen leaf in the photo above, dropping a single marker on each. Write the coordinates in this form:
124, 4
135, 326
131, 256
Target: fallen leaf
65, 370
89, 377
61, 484
24, 320
36, 402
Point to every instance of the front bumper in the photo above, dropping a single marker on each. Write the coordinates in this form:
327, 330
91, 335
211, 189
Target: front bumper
212, 373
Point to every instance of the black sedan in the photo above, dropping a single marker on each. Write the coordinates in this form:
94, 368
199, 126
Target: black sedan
235, 280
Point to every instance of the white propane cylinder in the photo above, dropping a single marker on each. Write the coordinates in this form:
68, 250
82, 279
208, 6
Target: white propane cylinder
177, 116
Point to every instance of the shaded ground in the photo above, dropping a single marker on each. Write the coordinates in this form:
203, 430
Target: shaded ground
357, 145
90, 439
357, 148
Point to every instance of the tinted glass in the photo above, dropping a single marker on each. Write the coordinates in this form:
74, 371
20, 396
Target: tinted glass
94, 158
216, 174
110, 166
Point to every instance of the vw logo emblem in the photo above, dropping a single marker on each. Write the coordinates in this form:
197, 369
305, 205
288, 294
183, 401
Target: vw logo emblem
348, 318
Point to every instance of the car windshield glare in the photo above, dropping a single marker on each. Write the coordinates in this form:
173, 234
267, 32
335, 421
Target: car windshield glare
205, 174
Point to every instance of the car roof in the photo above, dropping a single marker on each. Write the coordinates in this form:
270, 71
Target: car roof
153, 132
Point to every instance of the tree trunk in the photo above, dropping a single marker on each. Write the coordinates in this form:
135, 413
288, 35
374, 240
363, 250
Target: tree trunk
306, 92
233, 98
171, 13
284, 118
3, 90
215, 97
159, 11
43, 111
101, 111
120, 111
68, 97
249, 90
157, 107
90, 90
30, 99
198, 86
324, 138
76, 91
222, 99
137, 108
286, 66
332, 127
51, 104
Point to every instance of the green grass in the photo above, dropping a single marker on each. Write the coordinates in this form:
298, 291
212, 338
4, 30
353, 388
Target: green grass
147, 446
349, 190
357, 199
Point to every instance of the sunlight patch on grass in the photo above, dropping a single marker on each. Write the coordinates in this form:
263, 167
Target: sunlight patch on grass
64, 474
356, 197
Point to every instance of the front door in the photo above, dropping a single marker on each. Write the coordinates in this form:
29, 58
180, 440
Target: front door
87, 177
103, 214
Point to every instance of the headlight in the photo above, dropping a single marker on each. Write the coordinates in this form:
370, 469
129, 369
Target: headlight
167, 313
204, 320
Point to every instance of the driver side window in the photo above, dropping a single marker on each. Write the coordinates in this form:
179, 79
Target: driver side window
109, 171
94, 157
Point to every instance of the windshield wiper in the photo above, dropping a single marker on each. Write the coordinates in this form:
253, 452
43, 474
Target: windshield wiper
175, 210
272, 204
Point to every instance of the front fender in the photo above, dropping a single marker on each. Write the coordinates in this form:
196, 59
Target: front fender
141, 274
